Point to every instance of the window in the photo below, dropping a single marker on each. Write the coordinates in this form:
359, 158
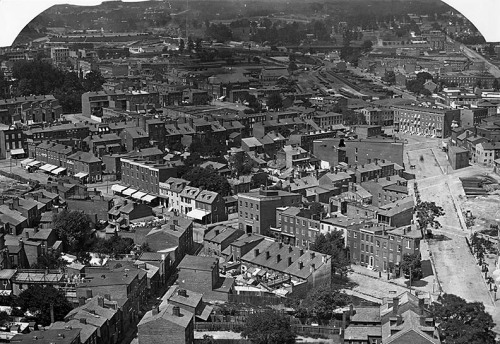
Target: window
391, 237
246, 204
251, 205
378, 243
355, 245
355, 234
246, 215
399, 248
257, 217
285, 219
362, 247
362, 236
408, 244
257, 206
303, 222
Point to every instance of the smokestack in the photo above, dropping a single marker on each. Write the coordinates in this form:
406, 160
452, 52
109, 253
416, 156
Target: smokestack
155, 310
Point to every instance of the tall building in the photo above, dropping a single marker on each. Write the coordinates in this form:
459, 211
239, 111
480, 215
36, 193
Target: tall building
257, 209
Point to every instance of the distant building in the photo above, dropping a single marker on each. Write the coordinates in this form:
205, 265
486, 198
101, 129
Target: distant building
171, 324
458, 157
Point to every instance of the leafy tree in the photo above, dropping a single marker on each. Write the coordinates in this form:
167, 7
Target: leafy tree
412, 263
427, 213
115, 246
389, 76
460, 321
240, 164
268, 328
4, 318
73, 228
367, 46
333, 244
209, 179
37, 300
207, 339
259, 179
274, 101
93, 81
321, 302
50, 260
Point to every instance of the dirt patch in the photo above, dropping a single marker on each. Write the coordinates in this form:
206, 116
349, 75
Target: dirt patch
485, 210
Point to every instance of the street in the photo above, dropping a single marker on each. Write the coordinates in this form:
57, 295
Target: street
456, 268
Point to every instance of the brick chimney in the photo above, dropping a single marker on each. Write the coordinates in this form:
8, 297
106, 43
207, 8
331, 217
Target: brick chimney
176, 311
83, 321
278, 258
155, 310
182, 292
289, 261
395, 306
301, 265
256, 252
268, 255
100, 301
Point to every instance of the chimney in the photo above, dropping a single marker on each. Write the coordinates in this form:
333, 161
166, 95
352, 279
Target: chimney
182, 292
172, 227
83, 321
369, 161
301, 252
107, 297
313, 267
155, 309
256, 252
176, 222
27, 234
395, 306
280, 245
301, 265
268, 255
81, 301
176, 311
289, 261
278, 258
89, 293
217, 232
100, 301
290, 248
421, 305
351, 310
312, 255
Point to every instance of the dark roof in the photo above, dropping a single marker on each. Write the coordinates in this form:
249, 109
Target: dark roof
63, 336
198, 263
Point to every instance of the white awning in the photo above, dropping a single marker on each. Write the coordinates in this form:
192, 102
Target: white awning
82, 175
138, 195
34, 163
129, 191
48, 167
197, 214
58, 170
17, 151
148, 198
118, 188
26, 161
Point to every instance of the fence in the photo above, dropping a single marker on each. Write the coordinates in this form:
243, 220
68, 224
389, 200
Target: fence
307, 330
225, 341
256, 300
219, 326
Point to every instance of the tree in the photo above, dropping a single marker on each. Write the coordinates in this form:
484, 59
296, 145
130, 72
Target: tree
73, 228
114, 246
38, 300
460, 321
333, 244
50, 260
209, 179
367, 46
240, 164
259, 179
389, 77
93, 81
274, 101
320, 303
412, 263
268, 327
427, 213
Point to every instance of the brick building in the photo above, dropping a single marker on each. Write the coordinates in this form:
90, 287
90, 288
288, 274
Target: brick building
382, 248
30, 110
426, 120
170, 324
146, 175
257, 209
201, 275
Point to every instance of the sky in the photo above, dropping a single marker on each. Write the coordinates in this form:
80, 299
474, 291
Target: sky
16, 14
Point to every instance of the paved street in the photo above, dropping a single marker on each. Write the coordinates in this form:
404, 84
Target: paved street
456, 268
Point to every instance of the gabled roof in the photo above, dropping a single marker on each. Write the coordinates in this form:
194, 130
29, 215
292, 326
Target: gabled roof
198, 263
166, 314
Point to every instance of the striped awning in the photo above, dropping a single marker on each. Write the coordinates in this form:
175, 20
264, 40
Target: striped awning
138, 195
129, 192
118, 188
